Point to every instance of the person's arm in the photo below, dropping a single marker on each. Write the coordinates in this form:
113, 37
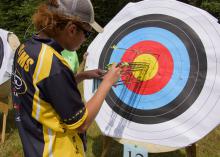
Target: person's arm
94, 104
90, 74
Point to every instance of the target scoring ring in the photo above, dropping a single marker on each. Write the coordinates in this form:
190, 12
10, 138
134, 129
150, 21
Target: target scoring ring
149, 72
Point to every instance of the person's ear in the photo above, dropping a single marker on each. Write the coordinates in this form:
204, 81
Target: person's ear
72, 29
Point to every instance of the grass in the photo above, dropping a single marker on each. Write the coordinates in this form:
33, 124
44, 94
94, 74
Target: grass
207, 147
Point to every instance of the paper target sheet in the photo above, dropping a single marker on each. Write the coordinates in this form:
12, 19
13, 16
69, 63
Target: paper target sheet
169, 93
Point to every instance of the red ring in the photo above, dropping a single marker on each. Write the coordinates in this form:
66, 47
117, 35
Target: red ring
165, 67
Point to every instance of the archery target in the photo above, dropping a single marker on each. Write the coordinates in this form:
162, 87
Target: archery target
171, 94
156, 100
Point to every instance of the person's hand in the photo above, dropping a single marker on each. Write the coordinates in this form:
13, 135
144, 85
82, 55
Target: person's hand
97, 73
113, 74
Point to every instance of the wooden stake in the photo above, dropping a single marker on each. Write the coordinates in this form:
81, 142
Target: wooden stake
191, 150
106, 145
4, 109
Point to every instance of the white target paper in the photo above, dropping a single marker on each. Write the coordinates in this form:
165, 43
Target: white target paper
178, 103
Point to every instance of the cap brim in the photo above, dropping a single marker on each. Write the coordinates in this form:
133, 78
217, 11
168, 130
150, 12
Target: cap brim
96, 27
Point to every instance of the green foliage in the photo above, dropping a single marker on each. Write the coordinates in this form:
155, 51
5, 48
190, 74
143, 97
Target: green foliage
16, 15
212, 7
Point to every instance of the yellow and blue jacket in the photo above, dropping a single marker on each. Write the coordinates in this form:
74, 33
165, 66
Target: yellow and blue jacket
48, 104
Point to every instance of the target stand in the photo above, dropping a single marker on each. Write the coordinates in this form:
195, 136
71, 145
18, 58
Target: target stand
8, 44
4, 109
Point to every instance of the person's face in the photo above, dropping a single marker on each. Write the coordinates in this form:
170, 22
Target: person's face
75, 35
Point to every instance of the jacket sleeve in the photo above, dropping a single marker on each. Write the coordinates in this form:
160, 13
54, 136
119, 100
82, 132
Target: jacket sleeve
61, 91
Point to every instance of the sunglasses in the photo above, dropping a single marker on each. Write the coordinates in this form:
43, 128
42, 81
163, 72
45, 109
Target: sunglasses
85, 32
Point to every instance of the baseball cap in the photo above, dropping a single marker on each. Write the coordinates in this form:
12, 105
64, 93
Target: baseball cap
80, 8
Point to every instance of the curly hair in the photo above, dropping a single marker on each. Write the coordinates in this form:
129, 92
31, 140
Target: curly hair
49, 22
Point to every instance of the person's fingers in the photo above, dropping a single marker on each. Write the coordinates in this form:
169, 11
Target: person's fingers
101, 72
114, 65
117, 68
97, 73
118, 71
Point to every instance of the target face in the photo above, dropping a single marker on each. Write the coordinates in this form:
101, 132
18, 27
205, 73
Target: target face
169, 91
168, 87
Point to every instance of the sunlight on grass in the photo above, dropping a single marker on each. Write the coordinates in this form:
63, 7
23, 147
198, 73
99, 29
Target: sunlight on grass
12, 146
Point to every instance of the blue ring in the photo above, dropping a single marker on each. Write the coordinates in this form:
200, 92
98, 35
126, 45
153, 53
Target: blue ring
180, 75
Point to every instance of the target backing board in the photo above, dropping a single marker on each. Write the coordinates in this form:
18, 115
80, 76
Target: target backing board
6, 57
170, 94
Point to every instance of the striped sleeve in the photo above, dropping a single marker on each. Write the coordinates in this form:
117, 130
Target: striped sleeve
61, 91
